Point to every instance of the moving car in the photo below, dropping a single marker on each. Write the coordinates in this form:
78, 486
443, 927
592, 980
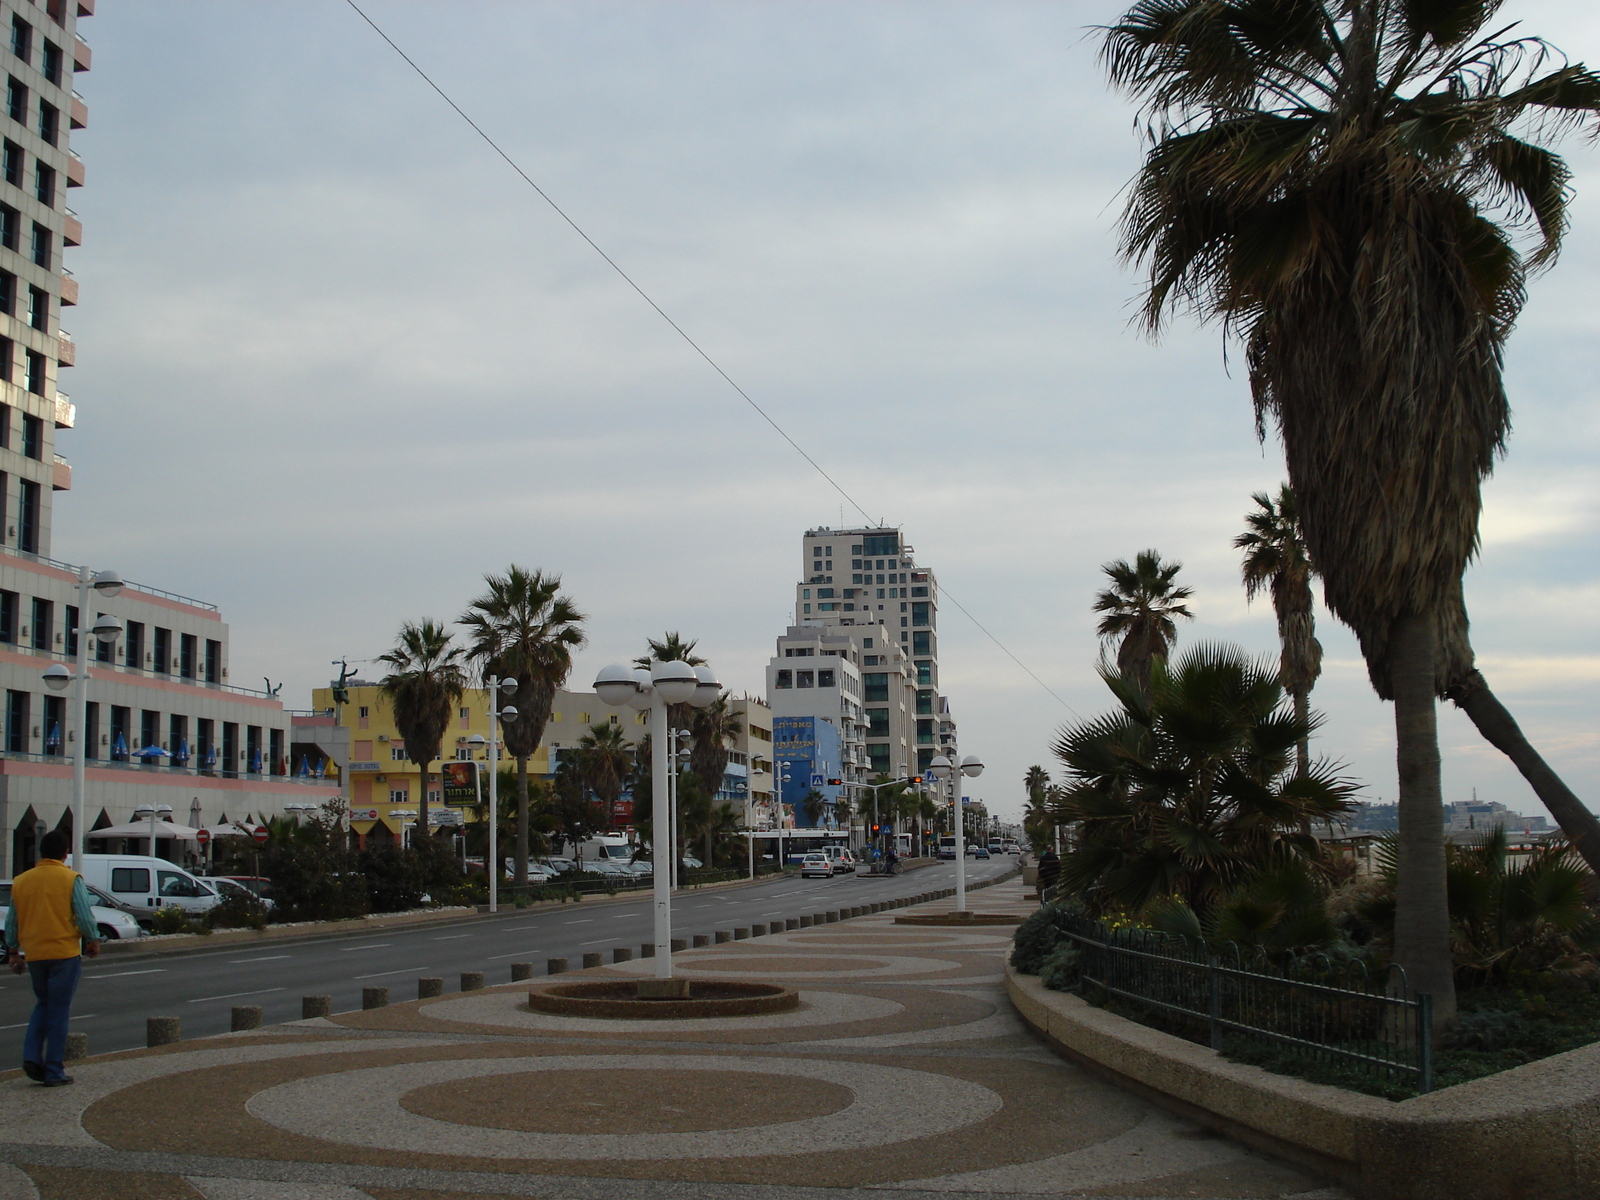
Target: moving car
1013, 848
817, 866
980, 852
113, 923
844, 863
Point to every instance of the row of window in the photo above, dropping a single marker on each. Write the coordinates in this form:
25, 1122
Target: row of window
28, 492
41, 244
38, 304
51, 59
12, 161
36, 371
852, 593
152, 739
49, 124
159, 655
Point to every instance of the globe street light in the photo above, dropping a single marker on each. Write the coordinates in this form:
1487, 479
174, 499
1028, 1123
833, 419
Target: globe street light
148, 810
947, 768
105, 629
497, 688
654, 690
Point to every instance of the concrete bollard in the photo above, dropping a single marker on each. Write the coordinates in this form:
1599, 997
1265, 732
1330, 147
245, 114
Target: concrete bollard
77, 1046
374, 997
315, 1006
679, 944
877, 906
724, 935
832, 917
591, 960
805, 922
702, 939
758, 930
740, 932
471, 981
819, 918
246, 1016
429, 986
647, 949
555, 966
621, 954
791, 923
521, 971
161, 1031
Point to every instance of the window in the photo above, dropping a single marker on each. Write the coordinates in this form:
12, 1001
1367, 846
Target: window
902, 609
39, 308
881, 544
205, 742
880, 593
398, 795
178, 738
805, 593
133, 653
816, 551
827, 679
28, 517
43, 620
49, 122
924, 733
867, 642
397, 753
826, 607
583, 717
880, 578
50, 63
17, 722
33, 437
855, 579
920, 613
902, 626
11, 162
10, 227
252, 749
44, 246
894, 593
162, 648
149, 728
275, 750
16, 100
877, 686
214, 664
120, 718
91, 730
362, 711
8, 305
785, 679
877, 722
21, 39
187, 644
921, 642
925, 704
71, 624
55, 723
824, 593
805, 679
130, 879
230, 748
35, 372
466, 714
918, 591
44, 184
879, 756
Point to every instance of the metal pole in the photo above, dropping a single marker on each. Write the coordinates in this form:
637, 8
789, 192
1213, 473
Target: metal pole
80, 702
961, 830
661, 822
494, 794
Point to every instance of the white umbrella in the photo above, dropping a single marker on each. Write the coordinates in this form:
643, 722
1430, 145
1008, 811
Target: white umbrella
141, 829
227, 829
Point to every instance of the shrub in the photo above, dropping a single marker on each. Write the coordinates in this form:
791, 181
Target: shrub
239, 909
173, 919
1037, 936
1060, 970
395, 879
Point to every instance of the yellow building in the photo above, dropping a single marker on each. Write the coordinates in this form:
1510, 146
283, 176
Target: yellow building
384, 784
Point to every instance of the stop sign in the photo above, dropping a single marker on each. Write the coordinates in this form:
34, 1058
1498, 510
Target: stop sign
202, 836
260, 835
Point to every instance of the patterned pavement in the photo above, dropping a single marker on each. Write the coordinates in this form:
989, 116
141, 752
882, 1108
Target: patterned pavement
904, 1069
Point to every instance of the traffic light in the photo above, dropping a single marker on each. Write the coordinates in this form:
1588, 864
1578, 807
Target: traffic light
916, 779
835, 783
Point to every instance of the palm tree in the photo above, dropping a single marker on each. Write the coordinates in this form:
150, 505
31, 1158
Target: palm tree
1337, 182
1035, 782
522, 628
1275, 561
814, 804
1140, 606
712, 727
424, 683
605, 757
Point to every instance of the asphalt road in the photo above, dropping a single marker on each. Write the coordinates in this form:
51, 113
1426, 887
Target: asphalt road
119, 991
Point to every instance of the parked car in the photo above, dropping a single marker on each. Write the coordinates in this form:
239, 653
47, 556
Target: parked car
228, 887
142, 885
259, 884
114, 924
816, 866
844, 863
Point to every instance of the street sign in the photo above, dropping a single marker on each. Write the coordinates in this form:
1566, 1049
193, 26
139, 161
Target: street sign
202, 836
260, 835
461, 783
818, 781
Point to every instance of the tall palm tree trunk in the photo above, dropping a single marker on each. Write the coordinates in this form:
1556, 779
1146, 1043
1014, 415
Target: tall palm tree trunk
1302, 748
422, 801
1422, 917
1500, 729
521, 863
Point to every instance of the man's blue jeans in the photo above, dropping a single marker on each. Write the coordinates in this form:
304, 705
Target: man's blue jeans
55, 980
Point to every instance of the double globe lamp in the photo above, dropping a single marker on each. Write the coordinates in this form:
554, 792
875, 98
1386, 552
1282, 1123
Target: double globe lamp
946, 768
664, 684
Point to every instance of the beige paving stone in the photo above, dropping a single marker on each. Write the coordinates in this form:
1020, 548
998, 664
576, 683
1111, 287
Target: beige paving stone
214, 1188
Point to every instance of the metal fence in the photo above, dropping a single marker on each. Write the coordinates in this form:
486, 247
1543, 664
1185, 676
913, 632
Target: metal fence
1313, 1007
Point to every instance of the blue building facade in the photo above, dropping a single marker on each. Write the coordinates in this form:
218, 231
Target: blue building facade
809, 746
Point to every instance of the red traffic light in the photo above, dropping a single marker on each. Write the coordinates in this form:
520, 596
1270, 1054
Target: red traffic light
835, 783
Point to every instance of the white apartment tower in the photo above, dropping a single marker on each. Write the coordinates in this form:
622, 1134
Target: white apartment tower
862, 597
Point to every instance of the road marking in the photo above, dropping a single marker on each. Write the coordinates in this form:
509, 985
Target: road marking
234, 995
585, 921
116, 974
514, 954
368, 946
452, 937
84, 1016
401, 971
601, 942
265, 958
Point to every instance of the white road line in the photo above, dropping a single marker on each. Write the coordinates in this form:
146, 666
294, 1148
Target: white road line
585, 921
601, 942
401, 971
234, 995
514, 954
368, 946
266, 958
452, 937
117, 974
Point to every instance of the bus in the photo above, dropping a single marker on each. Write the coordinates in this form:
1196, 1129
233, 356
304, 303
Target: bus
947, 845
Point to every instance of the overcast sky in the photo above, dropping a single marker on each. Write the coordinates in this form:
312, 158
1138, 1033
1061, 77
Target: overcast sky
338, 361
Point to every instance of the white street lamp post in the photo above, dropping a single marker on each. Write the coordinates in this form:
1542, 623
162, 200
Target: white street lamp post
496, 715
152, 811
946, 768
106, 629
653, 690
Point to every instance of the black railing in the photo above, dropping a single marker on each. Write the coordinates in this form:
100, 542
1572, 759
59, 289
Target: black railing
1313, 1008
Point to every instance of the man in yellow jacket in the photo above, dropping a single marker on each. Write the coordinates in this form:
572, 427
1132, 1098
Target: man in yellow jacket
50, 917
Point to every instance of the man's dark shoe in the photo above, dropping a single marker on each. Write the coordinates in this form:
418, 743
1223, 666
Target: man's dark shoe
33, 1070
62, 1082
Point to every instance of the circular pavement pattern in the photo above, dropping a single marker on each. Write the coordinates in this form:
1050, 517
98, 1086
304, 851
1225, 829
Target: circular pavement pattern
511, 1009
365, 1108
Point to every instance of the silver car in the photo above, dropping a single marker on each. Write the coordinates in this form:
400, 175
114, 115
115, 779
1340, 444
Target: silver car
114, 924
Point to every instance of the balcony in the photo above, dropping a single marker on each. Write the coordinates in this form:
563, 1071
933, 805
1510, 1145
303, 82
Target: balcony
66, 350
86, 8
69, 289
71, 229
62, 480
79, 118
66, 410
74, 169
81, 55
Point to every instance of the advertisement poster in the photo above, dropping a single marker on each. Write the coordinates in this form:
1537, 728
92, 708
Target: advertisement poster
460, 783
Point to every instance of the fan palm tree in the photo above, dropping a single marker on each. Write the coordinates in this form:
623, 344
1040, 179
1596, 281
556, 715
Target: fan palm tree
424, 683
1035, 782
1275, 562
522, 628
605, 758
1139, 608
712, 728
1341, 183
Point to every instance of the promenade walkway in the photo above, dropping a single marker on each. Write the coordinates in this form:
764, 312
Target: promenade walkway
904, 1072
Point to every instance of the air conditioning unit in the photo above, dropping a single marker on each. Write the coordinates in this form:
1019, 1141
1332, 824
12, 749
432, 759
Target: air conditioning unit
383, 737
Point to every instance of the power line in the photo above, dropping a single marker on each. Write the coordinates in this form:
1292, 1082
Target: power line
678, 329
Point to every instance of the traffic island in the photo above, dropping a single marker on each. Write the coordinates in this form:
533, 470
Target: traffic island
646, 999
962, 918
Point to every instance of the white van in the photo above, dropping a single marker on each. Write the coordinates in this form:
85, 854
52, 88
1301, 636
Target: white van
142, 885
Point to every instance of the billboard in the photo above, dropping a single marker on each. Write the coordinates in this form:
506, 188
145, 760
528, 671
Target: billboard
460, 783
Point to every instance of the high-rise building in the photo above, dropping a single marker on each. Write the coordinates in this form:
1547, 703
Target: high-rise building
164, 726
863, 602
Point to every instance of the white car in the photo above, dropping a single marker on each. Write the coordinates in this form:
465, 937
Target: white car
844, 863
816, 866
113, 923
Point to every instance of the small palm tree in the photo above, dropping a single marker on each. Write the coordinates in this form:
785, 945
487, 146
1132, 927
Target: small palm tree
814, 804
605, 759
712, 727
522, 628
424, 683
1275, 561
1140, 607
